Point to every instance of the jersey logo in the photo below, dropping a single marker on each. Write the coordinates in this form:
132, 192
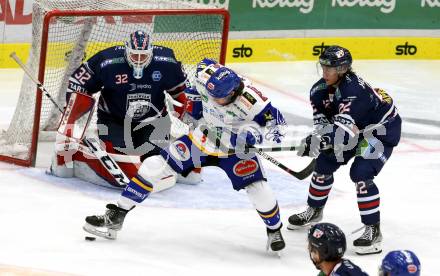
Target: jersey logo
317, 233
165, 59
180, 151
156, 76
245, 167
258, 92
138, 105
134, 86
249, 97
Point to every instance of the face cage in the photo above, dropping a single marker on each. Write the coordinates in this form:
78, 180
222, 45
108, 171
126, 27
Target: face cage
139, 64
338, 69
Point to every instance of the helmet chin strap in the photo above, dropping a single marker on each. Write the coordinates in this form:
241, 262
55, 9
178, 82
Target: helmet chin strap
315, 263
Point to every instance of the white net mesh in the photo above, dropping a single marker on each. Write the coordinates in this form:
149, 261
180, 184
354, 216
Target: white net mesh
72, 38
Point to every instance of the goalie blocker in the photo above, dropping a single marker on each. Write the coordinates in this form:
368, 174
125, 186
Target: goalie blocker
81, 155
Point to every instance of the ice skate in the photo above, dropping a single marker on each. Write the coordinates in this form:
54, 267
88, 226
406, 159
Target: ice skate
107, 225
275, 241
370, 241
305, 218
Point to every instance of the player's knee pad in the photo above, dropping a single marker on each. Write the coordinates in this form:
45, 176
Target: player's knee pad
261, 195
156, 170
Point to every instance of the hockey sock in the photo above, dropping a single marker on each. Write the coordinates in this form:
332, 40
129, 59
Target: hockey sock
319, 189
138, 189
368, 202
271, 218
261, 196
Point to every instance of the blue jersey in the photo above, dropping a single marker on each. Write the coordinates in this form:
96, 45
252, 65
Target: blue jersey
352, 105
121, 94
347, 268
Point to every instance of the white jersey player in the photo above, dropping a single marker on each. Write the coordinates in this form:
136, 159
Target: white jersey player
230, 113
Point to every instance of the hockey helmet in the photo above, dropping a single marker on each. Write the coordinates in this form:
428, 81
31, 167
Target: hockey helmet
401, 263
336, 56
222, 83
328, 240
138, 52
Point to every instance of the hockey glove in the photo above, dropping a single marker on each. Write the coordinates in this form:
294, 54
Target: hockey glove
247, 136
314, 144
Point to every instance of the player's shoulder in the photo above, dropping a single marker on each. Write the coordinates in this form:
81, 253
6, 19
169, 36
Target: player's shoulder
352, 84
318, 91
252, 99
109, 56
164, 55
347, 268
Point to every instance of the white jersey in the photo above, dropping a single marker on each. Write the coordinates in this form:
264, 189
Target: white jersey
249, 109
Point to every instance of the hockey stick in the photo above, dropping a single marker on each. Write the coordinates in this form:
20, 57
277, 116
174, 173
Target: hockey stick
92, 144
304, 173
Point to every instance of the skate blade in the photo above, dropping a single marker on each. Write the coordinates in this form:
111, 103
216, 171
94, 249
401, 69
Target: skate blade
270, 251
367, 250
110, 234
297, 227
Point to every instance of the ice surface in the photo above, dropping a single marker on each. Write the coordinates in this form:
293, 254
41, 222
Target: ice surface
209, 229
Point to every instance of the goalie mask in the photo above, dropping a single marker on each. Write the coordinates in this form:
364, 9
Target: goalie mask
138, 52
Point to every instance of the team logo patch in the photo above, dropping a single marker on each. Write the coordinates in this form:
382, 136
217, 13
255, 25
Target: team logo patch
138, 105
318, 233
156, 76
210, 86
412, 268
180, 151
245, 167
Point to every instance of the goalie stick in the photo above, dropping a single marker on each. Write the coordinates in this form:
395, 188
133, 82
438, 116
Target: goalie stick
92, 144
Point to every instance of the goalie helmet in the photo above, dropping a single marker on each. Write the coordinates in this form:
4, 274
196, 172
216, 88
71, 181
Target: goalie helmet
138, 52
336, 56
222, 82
401, 263
328, 240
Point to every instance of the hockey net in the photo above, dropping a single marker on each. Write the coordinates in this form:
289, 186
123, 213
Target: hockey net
66, 32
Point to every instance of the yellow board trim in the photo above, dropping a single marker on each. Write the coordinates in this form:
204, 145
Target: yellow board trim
267, 50
142, 185
298, 49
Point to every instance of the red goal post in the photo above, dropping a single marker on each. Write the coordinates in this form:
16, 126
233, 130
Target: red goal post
193, 34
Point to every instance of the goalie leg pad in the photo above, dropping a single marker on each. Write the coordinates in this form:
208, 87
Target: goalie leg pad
263, 199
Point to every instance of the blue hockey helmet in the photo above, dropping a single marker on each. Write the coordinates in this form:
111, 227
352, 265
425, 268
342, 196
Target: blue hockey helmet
328, 240
138, 52
401, 263
222, 82
204, 63
336, 56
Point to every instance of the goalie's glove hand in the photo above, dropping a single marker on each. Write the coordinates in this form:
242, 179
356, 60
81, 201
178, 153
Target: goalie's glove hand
247, 136
314, 144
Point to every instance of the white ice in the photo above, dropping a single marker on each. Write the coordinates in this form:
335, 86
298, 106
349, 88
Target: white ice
210, 229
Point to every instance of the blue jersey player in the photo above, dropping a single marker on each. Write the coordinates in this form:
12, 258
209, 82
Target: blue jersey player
132, 117
351, 120
326, 246
231, 112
